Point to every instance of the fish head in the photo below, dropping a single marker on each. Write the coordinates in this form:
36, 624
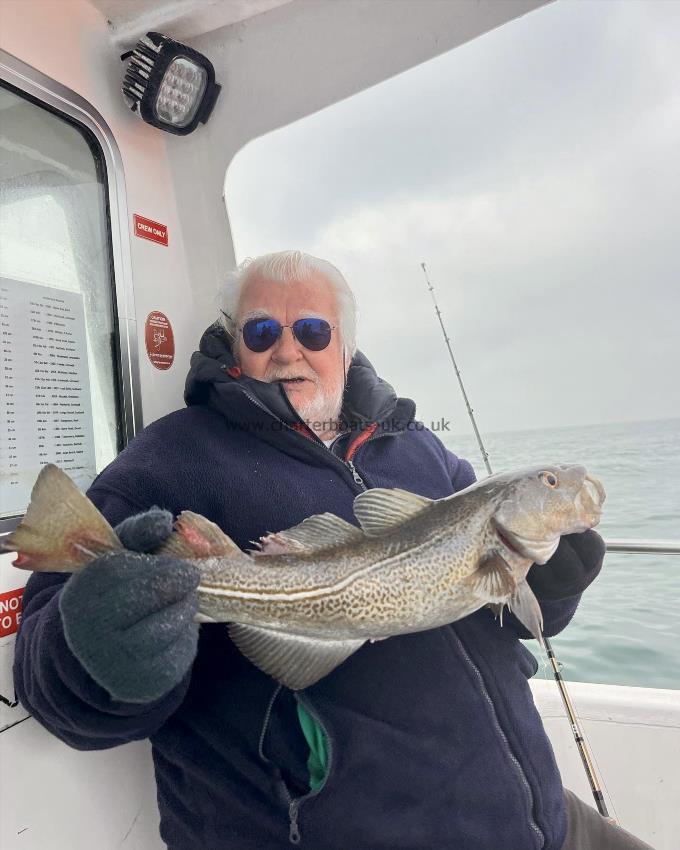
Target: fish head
535, 507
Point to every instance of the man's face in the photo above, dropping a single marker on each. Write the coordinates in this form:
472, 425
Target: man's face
313, 380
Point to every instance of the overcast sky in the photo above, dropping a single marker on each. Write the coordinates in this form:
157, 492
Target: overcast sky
536, 170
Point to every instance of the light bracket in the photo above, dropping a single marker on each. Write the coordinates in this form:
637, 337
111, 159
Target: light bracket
169, 85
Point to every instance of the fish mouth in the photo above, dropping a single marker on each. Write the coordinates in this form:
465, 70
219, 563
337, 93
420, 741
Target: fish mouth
595, 490
589, 501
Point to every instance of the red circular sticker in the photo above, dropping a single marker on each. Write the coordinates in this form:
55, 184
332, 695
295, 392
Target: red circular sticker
160, 341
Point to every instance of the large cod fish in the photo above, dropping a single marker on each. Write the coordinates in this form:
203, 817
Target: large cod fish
312, 595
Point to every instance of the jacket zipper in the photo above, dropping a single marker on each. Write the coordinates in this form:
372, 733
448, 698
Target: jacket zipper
347, 464
506, 744
352, 468
293, 803
358, 480
296, 803
294, 831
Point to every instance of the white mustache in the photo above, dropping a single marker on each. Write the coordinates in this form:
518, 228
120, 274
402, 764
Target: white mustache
272, 375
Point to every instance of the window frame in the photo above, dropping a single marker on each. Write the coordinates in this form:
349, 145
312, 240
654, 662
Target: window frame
66, 104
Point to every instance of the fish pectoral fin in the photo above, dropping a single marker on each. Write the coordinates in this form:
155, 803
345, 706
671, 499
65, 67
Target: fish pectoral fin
380, 510
497, 610
525, 607
493, 580
62, 530
312, 535
297, 661
197, 537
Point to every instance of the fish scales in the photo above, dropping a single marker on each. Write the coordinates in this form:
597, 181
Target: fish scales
375, 588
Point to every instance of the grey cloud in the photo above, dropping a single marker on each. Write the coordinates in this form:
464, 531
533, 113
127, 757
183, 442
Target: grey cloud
536, 171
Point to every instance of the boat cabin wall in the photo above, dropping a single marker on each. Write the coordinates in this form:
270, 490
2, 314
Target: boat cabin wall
70, 42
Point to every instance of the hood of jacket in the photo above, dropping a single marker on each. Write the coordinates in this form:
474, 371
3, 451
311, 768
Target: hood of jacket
214, 379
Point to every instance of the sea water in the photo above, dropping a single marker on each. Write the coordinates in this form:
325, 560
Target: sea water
626, 630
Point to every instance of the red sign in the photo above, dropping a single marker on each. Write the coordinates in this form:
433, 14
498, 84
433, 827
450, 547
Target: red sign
160, 340
10, 611
147, 229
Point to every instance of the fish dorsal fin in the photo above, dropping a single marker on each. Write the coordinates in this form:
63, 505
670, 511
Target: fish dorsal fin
493, 580
312, 535
297, 661
62, 530
380, 510
197, 537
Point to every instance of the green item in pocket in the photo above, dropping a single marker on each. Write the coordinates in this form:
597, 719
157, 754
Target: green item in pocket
317, 762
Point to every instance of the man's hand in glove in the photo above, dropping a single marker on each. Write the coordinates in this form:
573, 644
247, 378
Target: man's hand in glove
129, 617
576, 562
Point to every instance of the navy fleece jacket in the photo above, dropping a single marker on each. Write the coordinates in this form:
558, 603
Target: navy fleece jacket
433, 738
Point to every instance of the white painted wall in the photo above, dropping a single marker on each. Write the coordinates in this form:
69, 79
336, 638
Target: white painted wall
56, 798
69, 41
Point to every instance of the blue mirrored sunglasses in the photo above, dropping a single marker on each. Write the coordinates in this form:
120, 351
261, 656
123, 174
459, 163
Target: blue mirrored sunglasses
260, 334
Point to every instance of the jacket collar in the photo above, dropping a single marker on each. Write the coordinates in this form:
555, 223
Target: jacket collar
214, 380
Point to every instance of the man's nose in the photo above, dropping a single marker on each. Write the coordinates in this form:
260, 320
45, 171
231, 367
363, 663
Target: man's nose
287, 348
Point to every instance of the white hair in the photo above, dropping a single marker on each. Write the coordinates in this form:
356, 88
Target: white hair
285, 267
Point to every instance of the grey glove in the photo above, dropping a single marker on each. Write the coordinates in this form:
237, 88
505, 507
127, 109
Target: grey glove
129, 618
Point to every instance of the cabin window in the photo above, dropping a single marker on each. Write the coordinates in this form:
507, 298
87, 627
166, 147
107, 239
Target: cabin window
59, 398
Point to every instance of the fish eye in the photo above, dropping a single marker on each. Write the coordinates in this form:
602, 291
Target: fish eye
549, 480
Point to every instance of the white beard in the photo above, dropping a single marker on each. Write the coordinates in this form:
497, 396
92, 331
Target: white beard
323, 410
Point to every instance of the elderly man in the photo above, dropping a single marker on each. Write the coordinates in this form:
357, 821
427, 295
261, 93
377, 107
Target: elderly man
425, 741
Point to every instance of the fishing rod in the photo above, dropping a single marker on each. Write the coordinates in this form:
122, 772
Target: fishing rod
485, 456
579, 738
583, 751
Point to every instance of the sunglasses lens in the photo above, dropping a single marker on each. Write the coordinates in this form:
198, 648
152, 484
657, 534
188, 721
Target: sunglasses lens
314, 334
261, 334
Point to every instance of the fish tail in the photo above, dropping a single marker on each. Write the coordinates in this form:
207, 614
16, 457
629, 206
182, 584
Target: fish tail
62, 531
195, 537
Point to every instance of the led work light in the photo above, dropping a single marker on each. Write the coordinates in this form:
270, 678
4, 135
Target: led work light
168, 84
